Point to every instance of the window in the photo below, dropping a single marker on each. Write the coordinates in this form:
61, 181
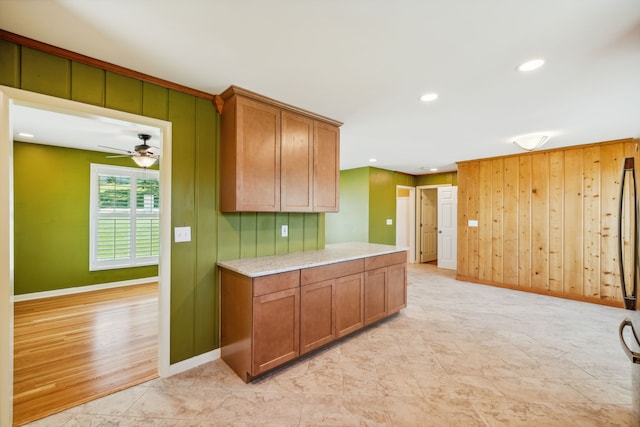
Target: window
125, 217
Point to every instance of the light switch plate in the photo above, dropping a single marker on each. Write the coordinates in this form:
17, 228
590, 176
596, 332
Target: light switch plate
389, 222
473, 223
182, 234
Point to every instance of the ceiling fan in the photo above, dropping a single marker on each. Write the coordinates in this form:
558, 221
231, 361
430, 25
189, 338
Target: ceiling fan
143, 154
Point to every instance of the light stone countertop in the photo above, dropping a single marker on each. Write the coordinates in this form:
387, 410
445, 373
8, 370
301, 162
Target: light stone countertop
337, 252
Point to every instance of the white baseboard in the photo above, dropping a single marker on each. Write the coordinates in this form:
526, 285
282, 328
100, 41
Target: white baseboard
194, 362
80, 289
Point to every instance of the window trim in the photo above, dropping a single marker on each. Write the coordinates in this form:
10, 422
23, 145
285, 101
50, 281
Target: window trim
135, 174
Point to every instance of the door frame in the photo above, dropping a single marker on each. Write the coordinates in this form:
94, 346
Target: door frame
419, 189
8, 97
412, 257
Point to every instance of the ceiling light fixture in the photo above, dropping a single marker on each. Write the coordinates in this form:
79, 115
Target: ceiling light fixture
372, 160
530, 142
26, 135
428, 97
433, 169
534, 64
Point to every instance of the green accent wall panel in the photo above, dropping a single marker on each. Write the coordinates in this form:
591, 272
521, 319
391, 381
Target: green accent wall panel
45, 73
266, 234
382, 206
155, 100
282, 243
123, 93
310, 232
351, 224
248, 234
321, 231
182, 113
9, 64
52, 220
228, 236
87, 84
206, 291
296, 232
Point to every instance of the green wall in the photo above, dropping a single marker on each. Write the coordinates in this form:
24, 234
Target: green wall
438, 179
351, 224
367, 200
51, 210
194, 185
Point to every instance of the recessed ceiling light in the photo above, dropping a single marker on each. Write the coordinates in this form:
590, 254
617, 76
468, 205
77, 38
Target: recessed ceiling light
372, 160
26, 135
531, 65
434, 169
428, 97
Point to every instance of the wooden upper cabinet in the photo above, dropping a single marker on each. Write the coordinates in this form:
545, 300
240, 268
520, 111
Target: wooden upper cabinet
250, 156
275, 157
296, 163
326, 185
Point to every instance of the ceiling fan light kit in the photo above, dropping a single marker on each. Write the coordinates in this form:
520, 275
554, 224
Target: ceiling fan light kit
142, 155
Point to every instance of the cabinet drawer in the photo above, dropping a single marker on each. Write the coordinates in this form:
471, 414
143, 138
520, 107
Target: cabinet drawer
331, 271
374, 262
276, 282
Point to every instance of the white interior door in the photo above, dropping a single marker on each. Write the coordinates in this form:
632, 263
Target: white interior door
447, 227
406, 219
428, 226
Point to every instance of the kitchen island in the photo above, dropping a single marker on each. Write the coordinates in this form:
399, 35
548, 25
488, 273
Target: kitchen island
276, 308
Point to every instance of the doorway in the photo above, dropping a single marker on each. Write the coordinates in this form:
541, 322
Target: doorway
436, 225
10, 97
406, 219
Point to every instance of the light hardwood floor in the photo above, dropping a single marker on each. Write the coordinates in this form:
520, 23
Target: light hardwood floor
72, 349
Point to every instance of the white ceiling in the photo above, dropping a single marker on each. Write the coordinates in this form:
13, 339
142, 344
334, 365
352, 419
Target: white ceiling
366, 63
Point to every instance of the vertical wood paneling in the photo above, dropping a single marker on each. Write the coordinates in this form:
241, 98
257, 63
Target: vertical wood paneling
463, 222
497, 205
556, 220
524, 222
591, 224
473, 184
45, 73
124, 93
611, 162
310, 231
573, 221
266, 237
9, 64
510, 221
296, 232
282, 243
540, 221
248, 234
485, 210
87, 84
549, 220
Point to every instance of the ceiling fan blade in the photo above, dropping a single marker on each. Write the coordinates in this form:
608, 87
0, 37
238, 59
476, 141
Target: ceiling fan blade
114, 148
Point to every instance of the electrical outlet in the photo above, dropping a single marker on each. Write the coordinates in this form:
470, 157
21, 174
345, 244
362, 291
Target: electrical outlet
285, 230
182, 234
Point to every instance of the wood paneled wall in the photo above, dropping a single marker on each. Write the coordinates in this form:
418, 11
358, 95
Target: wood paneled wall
547, 221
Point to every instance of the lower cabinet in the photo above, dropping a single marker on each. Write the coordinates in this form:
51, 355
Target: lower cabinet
276, 323
269, 320
317, 315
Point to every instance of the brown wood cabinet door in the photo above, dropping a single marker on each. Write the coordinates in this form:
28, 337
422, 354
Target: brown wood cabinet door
317, 321
276, 329
326, 184
349, 304
375, 295
396, 288
258, 156
296, 163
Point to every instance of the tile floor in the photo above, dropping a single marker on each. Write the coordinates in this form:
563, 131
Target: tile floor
460, 354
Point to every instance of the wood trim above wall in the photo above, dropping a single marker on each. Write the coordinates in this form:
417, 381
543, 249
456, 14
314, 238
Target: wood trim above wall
107, 66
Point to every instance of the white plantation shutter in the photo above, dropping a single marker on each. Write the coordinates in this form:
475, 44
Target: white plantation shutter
125, 217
